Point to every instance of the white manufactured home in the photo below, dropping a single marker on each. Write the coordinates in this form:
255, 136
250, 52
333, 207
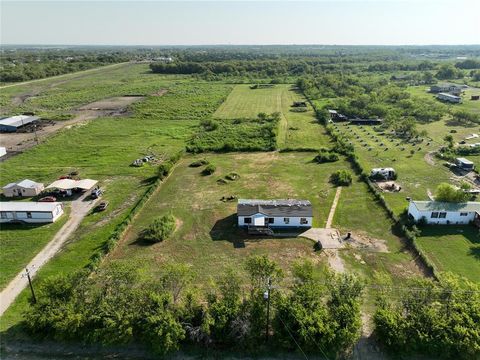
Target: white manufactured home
30, 212
444, 213
24, 188
274, 213
449, 98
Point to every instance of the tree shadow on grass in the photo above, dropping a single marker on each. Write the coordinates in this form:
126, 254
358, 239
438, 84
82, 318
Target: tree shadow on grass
475, 252
226, 229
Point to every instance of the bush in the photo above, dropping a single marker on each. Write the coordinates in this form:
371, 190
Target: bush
447, 193
199, 163
326, 156
341, 178
209, 170
160, 229
209, 124
232, 176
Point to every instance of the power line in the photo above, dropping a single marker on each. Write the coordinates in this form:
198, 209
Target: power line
289, 333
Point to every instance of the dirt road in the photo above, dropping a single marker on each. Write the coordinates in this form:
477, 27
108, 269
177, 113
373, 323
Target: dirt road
64, 75
79, 209
333, 208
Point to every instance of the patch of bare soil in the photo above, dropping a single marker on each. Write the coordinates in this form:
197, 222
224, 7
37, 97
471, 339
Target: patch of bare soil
388, 186
160, 92
365, 242
20, 141
429, 158
334, 260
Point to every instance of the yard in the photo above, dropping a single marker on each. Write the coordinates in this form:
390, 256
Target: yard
297, 130
453, 248
207, 237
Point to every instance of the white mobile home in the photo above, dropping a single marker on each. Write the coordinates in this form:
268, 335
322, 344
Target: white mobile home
449, 98
436, 212
274, 213
30, 212
24, 188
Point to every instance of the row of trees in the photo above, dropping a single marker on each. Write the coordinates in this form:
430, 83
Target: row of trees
115, 306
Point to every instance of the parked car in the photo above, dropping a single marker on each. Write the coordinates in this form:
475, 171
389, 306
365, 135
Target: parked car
102, 206
48, 199
96, 193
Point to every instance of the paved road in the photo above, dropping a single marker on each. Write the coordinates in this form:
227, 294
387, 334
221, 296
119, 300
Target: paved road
79, 208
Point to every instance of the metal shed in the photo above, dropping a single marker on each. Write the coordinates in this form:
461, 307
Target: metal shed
11, 124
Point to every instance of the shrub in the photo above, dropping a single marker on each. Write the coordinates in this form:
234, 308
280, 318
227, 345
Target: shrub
160, 229
446, 192
326, 156
209, 170
199, 163
341, 178
232, 176
209, 124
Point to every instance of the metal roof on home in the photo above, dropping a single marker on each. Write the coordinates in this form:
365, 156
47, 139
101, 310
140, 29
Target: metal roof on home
450, 96
470, 206
28, 206
288, 207
18, 120
24, 183
465, 161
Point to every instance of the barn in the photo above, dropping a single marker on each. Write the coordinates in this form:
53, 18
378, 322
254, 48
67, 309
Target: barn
13, 123
274, 213
24, 188
444, 213
30, 212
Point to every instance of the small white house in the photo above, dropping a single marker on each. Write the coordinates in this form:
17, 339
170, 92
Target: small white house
386, 173
24, 188
449, 97
30, 212
464, 164
444, 213
274, 213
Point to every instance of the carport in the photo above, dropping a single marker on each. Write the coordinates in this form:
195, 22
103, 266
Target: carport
69, 184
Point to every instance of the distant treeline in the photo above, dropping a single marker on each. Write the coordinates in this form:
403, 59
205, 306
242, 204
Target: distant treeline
28, 65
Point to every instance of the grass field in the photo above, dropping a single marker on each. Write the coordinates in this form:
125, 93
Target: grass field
415, 175
467, 104
207, 237
19, 242
103, 149
297, 130
453, 248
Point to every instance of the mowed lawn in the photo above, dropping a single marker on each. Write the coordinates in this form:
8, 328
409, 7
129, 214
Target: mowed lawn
453, 248
207, 236
416, 176
297, 130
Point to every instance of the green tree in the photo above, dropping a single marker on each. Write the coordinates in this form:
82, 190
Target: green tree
447, 193
160, 229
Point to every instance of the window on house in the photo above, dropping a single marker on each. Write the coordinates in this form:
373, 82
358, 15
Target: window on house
463, 214
29, 214
23, 190
286, 220
271, 220
442, 215
3, 215
303, 221
247, 220
434, 215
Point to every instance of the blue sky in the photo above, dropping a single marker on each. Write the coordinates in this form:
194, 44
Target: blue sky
354, 22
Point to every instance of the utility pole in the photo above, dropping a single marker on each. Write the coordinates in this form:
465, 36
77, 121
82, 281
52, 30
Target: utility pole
27, 274
266, 296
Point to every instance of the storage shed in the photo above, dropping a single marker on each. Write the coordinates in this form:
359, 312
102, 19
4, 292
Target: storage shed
11, 124
30, 212
274, 213
24, 188
464, 164
3, 151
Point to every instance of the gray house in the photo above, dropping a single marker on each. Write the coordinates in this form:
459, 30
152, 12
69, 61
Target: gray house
274, 213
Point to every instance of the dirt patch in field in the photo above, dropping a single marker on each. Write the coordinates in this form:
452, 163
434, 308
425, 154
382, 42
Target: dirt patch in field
20, 141
388, 186
365, 242
160, 92
429, 158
